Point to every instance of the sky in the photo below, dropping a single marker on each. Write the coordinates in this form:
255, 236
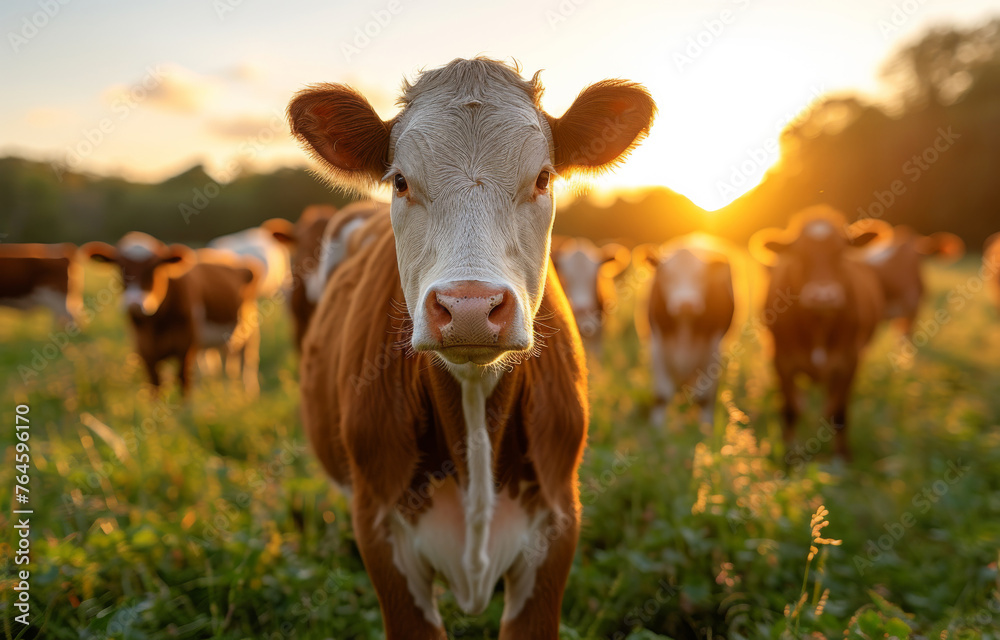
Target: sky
147, 90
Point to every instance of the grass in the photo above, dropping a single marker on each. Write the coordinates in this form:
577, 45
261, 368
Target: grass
212, 519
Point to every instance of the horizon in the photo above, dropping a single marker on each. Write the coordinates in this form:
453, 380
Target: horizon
218, 100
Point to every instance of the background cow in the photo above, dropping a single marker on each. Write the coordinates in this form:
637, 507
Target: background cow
303, 239
587, 274
42, 275
179, 301
690, 308
260, 244
898, 267
461, 452
822, 307
991, 261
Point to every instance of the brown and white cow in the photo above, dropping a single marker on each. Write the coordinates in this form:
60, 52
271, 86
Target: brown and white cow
179, 301
898, 266
428, 388
690, 308
272, 258
586, 273
315, 251
42, 275
823, 305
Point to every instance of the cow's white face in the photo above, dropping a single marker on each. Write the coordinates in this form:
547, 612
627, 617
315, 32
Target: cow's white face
470, 160
684, 282
472, 204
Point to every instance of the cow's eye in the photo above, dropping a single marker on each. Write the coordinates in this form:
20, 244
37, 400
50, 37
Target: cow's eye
542, 181
399, 182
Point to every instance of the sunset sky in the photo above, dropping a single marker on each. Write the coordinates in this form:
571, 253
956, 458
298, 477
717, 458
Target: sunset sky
208, 80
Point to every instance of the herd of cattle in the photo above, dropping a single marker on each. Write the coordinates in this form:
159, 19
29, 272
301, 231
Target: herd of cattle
831, 283
443, 376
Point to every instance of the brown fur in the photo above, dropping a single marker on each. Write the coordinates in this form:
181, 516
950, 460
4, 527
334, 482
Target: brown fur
388, 423
27, 268
217, 282
900, 274
841, 334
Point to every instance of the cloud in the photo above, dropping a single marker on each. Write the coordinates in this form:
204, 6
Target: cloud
246, 72
168, 88
48, 117
265, 128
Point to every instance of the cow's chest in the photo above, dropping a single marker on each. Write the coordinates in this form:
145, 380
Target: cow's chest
434, 543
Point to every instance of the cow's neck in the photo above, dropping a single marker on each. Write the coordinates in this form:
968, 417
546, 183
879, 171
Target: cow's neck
480, 495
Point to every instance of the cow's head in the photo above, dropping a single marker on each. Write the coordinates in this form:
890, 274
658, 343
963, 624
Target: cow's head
146, 264
471, 159
585, 272
812, 253
688, 276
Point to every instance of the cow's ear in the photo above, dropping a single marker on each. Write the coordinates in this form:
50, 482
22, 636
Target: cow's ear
767, 244
282, 230
866, 231
646, 254
100, 252
614, 259
602, 126
177, 260
943, 244
864, 238
339, 127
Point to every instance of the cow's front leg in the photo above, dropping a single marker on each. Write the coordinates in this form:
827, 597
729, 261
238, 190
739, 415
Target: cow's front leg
663, 383
534, 585
408, 608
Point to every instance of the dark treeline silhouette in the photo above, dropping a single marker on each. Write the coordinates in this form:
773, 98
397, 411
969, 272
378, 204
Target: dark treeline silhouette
930, 158
40, 204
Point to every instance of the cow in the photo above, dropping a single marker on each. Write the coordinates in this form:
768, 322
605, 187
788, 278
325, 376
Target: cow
179, 301
42, 275
260, 244
586, 273
309, 248
898, 267
822, 307
690, 308
431, 389
991, 261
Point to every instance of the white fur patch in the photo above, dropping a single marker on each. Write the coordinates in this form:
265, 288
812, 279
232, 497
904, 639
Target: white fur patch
578, 273
136, 296
881, 255
333, 250
818, 229
137, 248
40, 297
819, 357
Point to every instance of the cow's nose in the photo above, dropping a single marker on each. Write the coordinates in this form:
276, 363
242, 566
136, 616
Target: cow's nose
469, 313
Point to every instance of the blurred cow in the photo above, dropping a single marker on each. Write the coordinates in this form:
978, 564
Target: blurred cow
180, 300
690, 308
897, 265
260, 244
823, 305
42, 275
314, 253
991, 261
587, 274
